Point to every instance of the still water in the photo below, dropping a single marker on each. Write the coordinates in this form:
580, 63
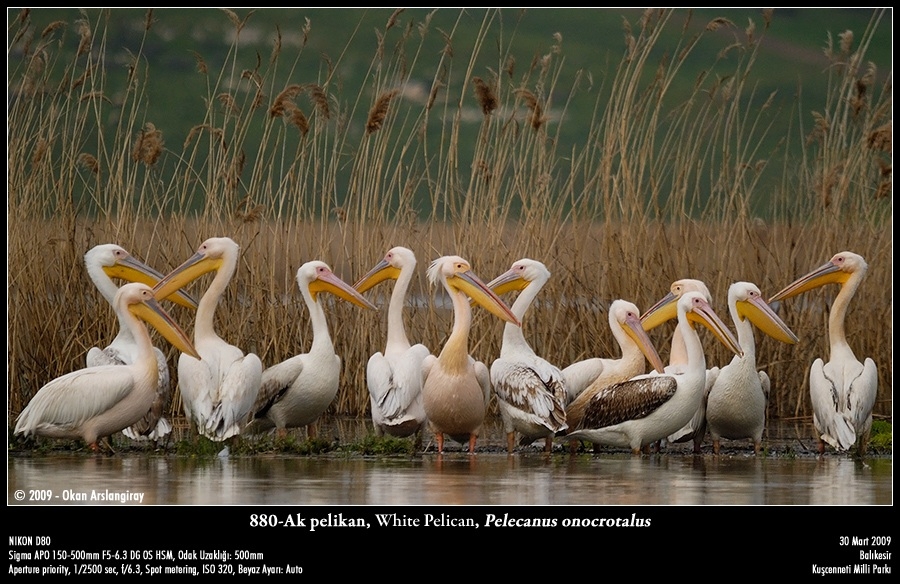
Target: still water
788, 475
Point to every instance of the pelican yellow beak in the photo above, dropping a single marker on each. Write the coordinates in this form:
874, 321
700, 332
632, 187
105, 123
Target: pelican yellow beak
379, 273
133, 270
703, 313
153, 314
665, 309
195, 266
633, 327
509, 281
331, 283
829, 273
468, 283
764, 318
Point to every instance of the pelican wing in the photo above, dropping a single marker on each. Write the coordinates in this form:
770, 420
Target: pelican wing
863, 391
579, 376
834, 427
274, 383
71, 400
237, 395
108, 356
484, 380
628, 400
396, 383
536, 389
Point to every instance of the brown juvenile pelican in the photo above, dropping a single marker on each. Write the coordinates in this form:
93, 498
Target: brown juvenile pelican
530, 391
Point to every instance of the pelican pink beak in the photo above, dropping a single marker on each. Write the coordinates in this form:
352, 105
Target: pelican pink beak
634, 329
327, 281
829, 273
150, 311
697, 309
468, 283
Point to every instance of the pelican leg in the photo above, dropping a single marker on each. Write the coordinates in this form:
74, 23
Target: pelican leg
472, 439
510, 442
573, 446
439, 437
715, 447
821, 446
311, 431
756, 447
548, 444
280, 433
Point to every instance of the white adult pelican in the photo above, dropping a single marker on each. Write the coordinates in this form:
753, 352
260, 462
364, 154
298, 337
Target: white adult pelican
736, 402
530, 391
96, 402
647, 408
103, 263
636, 346
457, 388
663, 310
843, 391
295, 392
395, 377
219, 389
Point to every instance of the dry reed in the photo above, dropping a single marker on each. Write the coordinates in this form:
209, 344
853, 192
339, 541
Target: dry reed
620, 217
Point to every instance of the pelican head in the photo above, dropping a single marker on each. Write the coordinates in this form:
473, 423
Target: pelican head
388, 268
213, 254
666, 308
626, 315
317, 277
457, 276
115, 262
697, 309
522, 273
838, 270
749, 303
139, 299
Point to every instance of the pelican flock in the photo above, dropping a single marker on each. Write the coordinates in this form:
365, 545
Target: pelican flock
96, 402
457, 388
218, 388
842, 390
103, 263
606, 401
295, 392
530, 391
395, 377
647, 408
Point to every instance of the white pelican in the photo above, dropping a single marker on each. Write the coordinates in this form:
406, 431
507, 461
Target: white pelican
457, 388
96, 402
218, 390
295, 392
395, 377
843, 390
647, 408
636, 346
663, 310
624, 322
736, 402
530, 391
103, 263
